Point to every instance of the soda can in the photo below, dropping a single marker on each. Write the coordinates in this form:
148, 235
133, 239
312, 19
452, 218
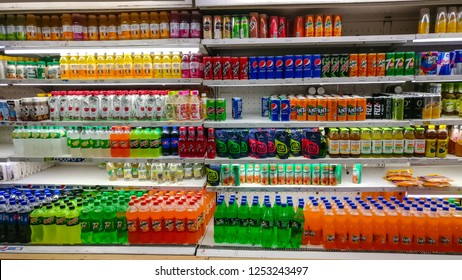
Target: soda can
275, 109
242, 174
293, 108
307, 66
211, 113
344, 65
253, 68
208, 68
312, 108
317, 65
257, 173
351, 109
227, 27
249, 174
399, 64
299, 28
408, 111
226, 68
289, 67
409, 59
325, 65
353, 66
321, 108
282, 27
298, 62
370, 108
273, 174
279, 67
265, 103
388, 108
315, 174
220, 109
301, 108
390, 64
244, 30
443, 64
217, 27
274, 26
309, 26
381, 62
331, 109
263, 31
290, 180
264, 174
236, 27
243, 68
328, 27
337, 25
217, 68
318, 26
270, 69
306, 174
253, 25
285, 109
235, 68
281, 173
398, 108
362, 65
237, 108
418, 103
458, 62
342, 109
334, 66
324, 174
361, 104
371, 64
429, 63
261, 67
207, 29
378, 107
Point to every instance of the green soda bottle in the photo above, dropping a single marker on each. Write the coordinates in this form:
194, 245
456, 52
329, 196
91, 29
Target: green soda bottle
276, 214
283, 230
85, 223
255, 217
243, 225
49, 225
121, 221
61, 234
296, 226
96, 223
73, 228
267, 225
219, 222
231, 221
108, 218
36, 225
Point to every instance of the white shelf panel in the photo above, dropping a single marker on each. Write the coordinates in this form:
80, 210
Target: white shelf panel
5, 151
438, 79
133, 123
208, 248
447, 120
105, 82
436, 39
79, 175
68, 158
90, 249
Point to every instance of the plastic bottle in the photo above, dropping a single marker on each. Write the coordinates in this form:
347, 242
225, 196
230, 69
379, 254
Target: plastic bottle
144, 31
36, 223
61, 233
124, 143
125, 27
442, 142
86, 231
49, 225
169, 233
196, 24
31, 28
452, 20
77, 27
243, 224
135, 135
167, 66
380, 229
430, 141
100, 66
128, 66
121, 222
96, 217
132, 223
266, 227
157, 66
93, 32
174, 24
23, 225
441, 20
119, 70
180, 222
155, 143
92, 71
147, 67
182, 106
108, 220
154, 28
297, 225
138, 66
135, 33
20, 28
219, 224
85, 139
445, 230
283, 229
156, 223
398, 142
111, 28
105, 142
164, 25
10, 24
56, 29
176, 65
424, 22
231, 221
102, 27
407, 229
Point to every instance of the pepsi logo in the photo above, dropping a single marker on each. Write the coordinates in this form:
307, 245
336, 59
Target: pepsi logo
262, 63
285, 107
317, 62
254, 65
274, 107
269, 64
306, 62
279, 63
289, 62
298, 63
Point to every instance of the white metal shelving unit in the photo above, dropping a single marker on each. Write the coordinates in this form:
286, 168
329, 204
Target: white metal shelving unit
133, 123
108, 82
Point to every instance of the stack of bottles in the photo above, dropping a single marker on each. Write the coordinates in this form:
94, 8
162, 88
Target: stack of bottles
160, 173
23, 68
447, 20
451, 99
44, 141
279, 225
117, 65
81, 27
419, 224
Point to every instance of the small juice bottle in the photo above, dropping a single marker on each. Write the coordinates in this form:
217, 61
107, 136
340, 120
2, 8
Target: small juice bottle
124, 27
128, 66
82, 61
424, 23
355, 142
102, 27
459, 20
430, 141
387, 139
157, 65
84, 23
66, 23
119, 66
166, 65
398, 142
333, 142
145, 31
93, 33
64, 66
366, 142
100, 66
154, 25
112, 28
31, 27
20, 30
441, 20
344, 143
137, 66
38, 20
176, 65
74, 67
409, 142
164, 25
420, 142
452, 20
442, 142
56, 30
377, 142
147, 66
91, 66
134, 26
46, 28
110, 66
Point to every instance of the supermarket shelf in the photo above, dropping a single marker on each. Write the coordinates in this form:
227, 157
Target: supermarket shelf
312, 81
5, 152
133, 123
437, 79
108, 82
436, 39
447, 120
208, 248
79, 175
70, 159
90, 249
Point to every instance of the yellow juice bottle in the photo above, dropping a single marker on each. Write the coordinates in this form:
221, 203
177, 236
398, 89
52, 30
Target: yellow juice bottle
112, 28
64, 66
73, 67
145, 32
91, 66
128, 66
101, 66
157, 65
154, 25
164, 25
377, 142
124, 27
176, 65
452, 20
109, 66
167, 65
119, 72
137, 66
147, 66
424, 23
82, 66
441, 20
387, 139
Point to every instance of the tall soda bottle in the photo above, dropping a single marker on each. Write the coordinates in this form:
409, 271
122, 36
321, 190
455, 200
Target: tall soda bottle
255, 219
243, 222
157, 65
219, 222
166, 141
61, 233
195, 65
180, 223
297, 227
121, 222
132, 223
155, 148
176, 65
135, 135
231, 221
283, 229
24, 231
169, 223
211, 149
266, 227
167, 66
108, 221
174, 139
193, 221
36, 224
156, 223
73, 225
85, 224
49, 225
96, 223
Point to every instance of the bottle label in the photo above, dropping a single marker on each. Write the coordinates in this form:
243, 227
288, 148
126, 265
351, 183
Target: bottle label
49, 221
398, 146
267, 224
156, 225
282, 224
144, 144
155, 143
419, 146
85, 226
174, 28
110, 29
72, 221
406, 240
144, 225
144, 28
135, 28
387, 146
330, 237
75, 143
334, 147
195, 27
355, 147
103, 31
76, 29
377, 147
409, 145
219, 221
366, 147
58, 30
344, 146
95, 143
125, 27
93, 31
244, 222
10, 29
154, 27
430, 147
85, 143
164, 28
192, 224
355, 238
180, 225
135, 144
96, 226
132, 225
442, 147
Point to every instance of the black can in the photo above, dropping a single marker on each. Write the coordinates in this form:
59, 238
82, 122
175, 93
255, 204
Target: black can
408, 109
370, 108
378, 107
334, 66
344, 65
325, 62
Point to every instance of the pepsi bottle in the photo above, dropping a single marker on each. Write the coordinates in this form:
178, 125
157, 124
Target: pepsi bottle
23, 229
166, 142
174, 138
12, 221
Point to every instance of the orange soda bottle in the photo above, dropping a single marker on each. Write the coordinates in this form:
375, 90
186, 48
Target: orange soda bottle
354, 229
144, 218
169, 222
341, 229
156, 223
445, 232
180, 222
192, 222
132, 223
420, 230
328, 228
367, 236
406, 230
392, 220
457, 230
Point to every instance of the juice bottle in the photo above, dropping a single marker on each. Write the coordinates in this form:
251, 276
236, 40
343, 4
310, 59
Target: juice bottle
46, 28
458, 148
102, 27
73, 67
56, 29
341, 228
355, 142
344, 143
453, 136
398, 142
157, 65
452, 20
38, 20
147, 66
64, 66
100, 66
409, 142
377, 142
174, 24
93, 33
10, 27
185, 21
91, 66
333, 142
84, 23
166, 65
145, 31
459, 20
128, 65
154, 29
82, 64
77, 27
134, 26
164, 25
137, 66
182, 106
420, 142
119, 66
110, 66
354, 230
66, 27
124, 27
442, 142
387, 139
366, 142
31, 27
176, 65
430, 141
424, 22
441, 20
20, 30
112, 28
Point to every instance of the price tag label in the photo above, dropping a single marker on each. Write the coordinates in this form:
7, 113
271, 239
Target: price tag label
63, 159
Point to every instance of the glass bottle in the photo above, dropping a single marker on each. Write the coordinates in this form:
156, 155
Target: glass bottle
366, 142
355, 142
430, 141
453, 135
344, 143
420, 142
333, 142
409, 142
442, 142
377, 142
398, 142
387, 139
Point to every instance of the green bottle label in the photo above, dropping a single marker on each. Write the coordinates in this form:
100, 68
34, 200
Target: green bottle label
85, 226
96, 144
234, 148
105, 144
233, 221
49, 220
144, 143
295, 225
135, 144
84, 144
121, 224
60, 221
219, 221
155, 143
96, 226
267, 224
253, 223
244, 147
108, 225
34, 221
74, 221
244, 222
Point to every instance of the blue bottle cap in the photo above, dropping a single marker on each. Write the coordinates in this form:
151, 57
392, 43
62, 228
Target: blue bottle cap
419, 209
367, 207
459, 208
392, 207
283, 205
407, 208
255, 202
433, 209
445, 208
354, 207
445, 202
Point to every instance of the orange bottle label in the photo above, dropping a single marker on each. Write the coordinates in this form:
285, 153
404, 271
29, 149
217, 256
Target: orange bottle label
362, 65
337, 25
318, 27
371, 64
309, 26
156, 225
353, 65
328, 28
